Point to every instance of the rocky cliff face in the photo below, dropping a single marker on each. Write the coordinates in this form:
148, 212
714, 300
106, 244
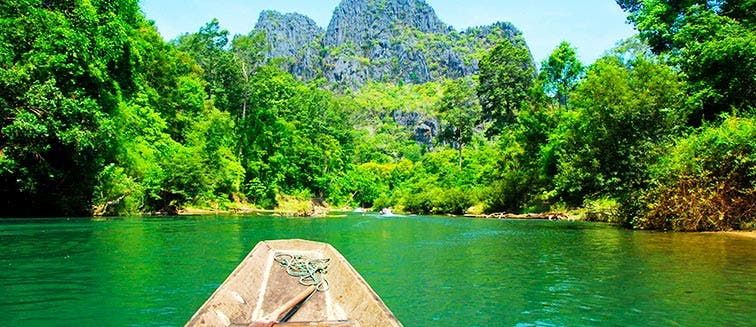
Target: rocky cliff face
360, 22
294, 38
378, 40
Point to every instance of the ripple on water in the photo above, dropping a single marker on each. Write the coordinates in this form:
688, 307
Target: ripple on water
429, 270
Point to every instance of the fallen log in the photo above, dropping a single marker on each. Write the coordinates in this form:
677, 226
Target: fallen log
505, 215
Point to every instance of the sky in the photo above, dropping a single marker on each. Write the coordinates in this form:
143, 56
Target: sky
592, 26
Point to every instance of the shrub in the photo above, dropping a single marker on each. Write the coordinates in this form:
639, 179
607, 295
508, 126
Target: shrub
707, 181
510, 193
116, 193
602, 210
299, 204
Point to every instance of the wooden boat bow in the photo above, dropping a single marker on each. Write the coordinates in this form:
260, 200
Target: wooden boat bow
260, 290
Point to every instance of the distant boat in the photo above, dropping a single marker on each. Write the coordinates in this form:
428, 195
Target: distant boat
386, 212
268, 288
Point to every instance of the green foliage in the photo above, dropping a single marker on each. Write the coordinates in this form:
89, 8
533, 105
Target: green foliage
298, 205
376, 99
366, 183
506, 75
718, 60
102, 116
528, 159
622, 113
705, 181
435, 200
117, 193
211, 136
62, 69
437, 185
225, 78
601, 210
460, 111
713, 42
295, 137
434, 186
385, 143
50, 148
248, 55
99, 115
561, 72
370, 111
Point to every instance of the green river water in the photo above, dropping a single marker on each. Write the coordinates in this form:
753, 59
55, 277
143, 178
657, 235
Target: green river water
430, 271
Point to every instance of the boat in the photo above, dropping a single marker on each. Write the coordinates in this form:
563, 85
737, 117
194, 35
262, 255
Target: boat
294, 283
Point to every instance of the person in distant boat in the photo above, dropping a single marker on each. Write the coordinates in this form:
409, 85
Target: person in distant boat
386, 211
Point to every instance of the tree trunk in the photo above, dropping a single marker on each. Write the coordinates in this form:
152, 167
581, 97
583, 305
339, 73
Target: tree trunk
459, 145
243, 122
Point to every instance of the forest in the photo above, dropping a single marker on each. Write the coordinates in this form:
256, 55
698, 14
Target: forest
100, 116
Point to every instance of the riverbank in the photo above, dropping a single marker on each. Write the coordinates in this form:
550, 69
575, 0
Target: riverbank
741, 234
287, 206
294, 208
190, 211
543, 216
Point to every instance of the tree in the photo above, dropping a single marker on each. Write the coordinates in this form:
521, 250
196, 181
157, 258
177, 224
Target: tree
63, 68
295, 137
460, 111
249, 54
621, 115
506, 75
561, 72
717, 57
713, 42
660, 21
224, 78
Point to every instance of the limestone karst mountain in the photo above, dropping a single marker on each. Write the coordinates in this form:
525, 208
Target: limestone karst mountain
378, 40
294, 38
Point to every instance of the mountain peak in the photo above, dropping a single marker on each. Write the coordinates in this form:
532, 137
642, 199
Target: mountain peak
295, 37
378, 40
357, 21
275, 16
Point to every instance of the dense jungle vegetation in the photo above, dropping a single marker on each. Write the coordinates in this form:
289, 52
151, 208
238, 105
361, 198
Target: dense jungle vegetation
99, 115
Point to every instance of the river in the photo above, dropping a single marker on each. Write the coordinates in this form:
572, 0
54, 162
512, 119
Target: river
430, 271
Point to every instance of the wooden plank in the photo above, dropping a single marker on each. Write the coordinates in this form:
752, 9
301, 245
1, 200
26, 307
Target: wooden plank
332, 323
329, 323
